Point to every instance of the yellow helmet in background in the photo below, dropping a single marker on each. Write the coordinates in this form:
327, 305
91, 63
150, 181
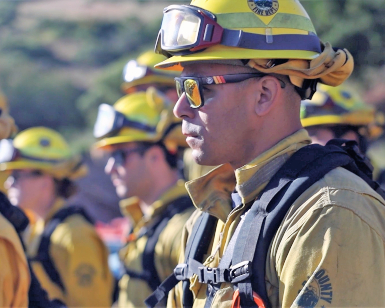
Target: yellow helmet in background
272, 36
43, 149
341, 106
139, 117
141, 72
8, 127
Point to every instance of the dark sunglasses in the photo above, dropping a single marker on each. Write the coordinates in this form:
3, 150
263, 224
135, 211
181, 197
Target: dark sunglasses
120, 155
193, 86
17, 175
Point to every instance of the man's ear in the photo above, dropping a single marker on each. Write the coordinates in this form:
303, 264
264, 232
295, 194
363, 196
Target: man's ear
155, 154
269, 90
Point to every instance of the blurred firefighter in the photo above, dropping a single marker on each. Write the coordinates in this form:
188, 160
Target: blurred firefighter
140, 137
339, 112
67, 256
139, 75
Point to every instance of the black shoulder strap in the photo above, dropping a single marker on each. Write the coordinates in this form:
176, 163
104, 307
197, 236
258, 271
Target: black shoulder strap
149, 273
197, 245
43, 255
13, 214
148, 261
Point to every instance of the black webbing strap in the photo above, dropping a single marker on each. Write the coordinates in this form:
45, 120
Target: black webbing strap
153, 231
43, 254
197, 245
148, 262
13, 214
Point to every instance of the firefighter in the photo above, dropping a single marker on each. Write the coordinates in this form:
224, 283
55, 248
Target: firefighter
67, 256
245, 67
339, 112
140, 137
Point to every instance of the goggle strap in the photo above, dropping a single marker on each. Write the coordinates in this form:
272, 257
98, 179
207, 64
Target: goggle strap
241, 39
138, 125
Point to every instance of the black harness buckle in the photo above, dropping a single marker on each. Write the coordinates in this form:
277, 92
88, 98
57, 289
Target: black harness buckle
240, 271
181, 271
209, 275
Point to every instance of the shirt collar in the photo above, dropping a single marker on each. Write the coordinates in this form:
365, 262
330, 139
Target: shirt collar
212, 192
130, 207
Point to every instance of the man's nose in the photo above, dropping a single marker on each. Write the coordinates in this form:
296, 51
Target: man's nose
182, 108
9, 182
110, 166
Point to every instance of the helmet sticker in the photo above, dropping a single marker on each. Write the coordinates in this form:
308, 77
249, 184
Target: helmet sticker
44, 142
263, 7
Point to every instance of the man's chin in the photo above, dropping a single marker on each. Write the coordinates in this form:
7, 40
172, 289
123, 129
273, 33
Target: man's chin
121, 192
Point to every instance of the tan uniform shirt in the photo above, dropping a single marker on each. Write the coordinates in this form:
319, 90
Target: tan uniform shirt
80, 257
134, 291
14, 272
329, 250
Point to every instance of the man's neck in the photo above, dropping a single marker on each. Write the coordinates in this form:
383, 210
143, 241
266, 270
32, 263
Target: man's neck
161, 186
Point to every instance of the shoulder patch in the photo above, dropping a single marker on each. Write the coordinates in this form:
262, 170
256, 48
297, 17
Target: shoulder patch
314, 291
85, 274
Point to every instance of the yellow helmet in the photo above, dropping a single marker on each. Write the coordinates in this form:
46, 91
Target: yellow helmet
272, 36
340, 106
7, 123
141, 72
43, 149
141, 116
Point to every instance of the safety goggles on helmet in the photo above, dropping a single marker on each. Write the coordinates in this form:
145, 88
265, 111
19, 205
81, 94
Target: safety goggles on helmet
187, 29
134, 71
193, 86
9, 153
109, 121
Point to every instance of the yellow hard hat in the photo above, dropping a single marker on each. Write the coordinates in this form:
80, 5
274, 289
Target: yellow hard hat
141, 72
331, 106
272, 36
43, 149
141, 116
7, 123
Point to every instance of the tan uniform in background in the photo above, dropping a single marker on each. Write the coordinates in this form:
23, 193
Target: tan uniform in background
14, 272
332, 232
134, 291
80, 258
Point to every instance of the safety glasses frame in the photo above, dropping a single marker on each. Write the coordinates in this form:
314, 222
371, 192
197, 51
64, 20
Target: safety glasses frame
213, 80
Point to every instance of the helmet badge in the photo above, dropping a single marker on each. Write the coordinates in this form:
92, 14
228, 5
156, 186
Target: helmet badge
263, 7
44, 142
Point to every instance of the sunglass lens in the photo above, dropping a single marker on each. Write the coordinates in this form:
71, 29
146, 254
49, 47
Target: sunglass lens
179, 89
119, 157
192, 93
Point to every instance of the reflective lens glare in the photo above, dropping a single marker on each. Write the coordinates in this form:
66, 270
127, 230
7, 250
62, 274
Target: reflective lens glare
133, 71
105, 120
192, 92
180, 29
